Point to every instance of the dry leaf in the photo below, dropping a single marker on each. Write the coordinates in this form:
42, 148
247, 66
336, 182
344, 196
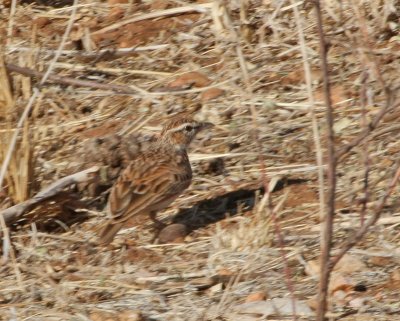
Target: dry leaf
395, 276
312, 268
189, 79
159, 5
225, 272
215, 289
349, 264
313, 302
256, 296
358, 303
41, 22
342, 124
211, 93
380, 260
340, 282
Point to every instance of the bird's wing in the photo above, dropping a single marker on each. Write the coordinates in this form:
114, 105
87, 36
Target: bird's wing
139, 186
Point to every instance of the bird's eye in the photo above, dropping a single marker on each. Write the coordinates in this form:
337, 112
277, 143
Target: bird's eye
189, 128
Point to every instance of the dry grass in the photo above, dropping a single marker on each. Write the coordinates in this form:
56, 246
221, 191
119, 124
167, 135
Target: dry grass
272, 84
18, 176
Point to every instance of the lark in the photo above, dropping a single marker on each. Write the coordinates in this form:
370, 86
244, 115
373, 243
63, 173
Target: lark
154, 178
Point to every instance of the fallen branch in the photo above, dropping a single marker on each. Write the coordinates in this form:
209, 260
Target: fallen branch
118, 52
14, 213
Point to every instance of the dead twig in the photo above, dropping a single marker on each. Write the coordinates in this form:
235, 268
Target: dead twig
70, 81
158, 14
390, 94
391, 104
372, 220
365, 152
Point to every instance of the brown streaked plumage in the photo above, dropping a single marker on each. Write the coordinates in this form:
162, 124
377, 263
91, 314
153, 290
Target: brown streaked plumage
154, 178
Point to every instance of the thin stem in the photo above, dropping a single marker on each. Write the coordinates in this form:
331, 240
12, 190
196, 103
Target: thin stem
327, 230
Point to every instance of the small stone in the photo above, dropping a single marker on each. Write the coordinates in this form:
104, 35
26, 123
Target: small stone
174, 233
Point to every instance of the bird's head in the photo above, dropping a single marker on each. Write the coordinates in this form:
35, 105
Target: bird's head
181, 131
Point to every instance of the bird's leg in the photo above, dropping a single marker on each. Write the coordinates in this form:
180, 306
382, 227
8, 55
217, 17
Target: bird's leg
157, 223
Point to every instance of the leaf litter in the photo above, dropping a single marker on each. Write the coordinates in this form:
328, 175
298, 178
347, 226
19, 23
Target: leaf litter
141, 50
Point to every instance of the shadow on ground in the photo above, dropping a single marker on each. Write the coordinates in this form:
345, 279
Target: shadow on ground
230, 204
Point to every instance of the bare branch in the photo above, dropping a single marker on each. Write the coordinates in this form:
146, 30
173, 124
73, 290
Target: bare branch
391, 104
372, 220
327, 230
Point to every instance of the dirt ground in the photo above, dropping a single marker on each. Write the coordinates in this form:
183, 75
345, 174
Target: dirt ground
252, 213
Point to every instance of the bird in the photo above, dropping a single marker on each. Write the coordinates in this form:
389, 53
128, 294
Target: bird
154, 178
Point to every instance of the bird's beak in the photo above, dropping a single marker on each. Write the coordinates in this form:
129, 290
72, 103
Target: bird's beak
206, 125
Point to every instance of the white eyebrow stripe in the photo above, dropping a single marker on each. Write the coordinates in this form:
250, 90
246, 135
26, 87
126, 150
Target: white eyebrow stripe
179, 128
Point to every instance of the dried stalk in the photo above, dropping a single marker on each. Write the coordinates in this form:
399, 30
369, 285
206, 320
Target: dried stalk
269, 209
6, 237
314, 119
327, 230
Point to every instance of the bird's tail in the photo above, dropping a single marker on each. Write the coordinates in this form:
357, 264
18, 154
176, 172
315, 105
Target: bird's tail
108, 232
